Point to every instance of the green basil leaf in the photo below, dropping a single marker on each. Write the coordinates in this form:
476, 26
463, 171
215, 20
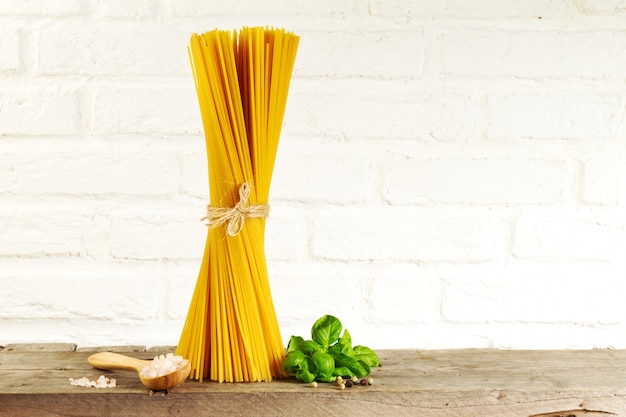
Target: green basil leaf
343, 371
326, 331
366, 355
294, 343
360, 369
335, 350
305, 376
345, 342
294, 361
365, 367
309, 347
325, 378
346, 339
325, 363
311, 366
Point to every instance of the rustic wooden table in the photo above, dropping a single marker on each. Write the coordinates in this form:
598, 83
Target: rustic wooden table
34, 381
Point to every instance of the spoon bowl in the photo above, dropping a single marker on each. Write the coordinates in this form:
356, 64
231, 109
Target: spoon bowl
110, 360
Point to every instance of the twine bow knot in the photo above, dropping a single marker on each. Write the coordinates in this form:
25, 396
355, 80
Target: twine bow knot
235, 217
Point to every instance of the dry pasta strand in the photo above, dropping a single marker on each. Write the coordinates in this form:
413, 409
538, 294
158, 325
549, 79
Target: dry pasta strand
231, 332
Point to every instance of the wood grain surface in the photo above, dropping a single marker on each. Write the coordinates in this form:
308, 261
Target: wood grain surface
459, 383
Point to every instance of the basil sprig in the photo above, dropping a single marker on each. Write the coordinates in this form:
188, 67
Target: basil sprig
328, 354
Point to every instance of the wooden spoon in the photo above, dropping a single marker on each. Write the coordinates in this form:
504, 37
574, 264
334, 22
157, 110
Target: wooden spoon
110, 360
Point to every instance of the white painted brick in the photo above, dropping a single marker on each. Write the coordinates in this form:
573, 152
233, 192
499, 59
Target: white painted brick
541, 336
158, 232
103, 175
181, 281
97, 235
32, 230
475, 181
95, 332
195, 8
602, 7
312, 175
536, 293
194, 179
78, 290
286, 234
9, 52
439, 335
380, 109
153, 53
38, 113
604, 180
569, 235
7, 175
148, 110
302, 292
47, 8
443, 115
403, 234
566, 115
415, 291
533, 54
479, 9
89, 173
481, 287
552, 294
127, 9
376, 54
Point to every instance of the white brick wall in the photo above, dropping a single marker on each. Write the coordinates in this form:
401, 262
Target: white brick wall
451, 173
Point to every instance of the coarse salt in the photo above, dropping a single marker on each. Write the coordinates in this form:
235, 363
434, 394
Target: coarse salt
101, 382
163, 365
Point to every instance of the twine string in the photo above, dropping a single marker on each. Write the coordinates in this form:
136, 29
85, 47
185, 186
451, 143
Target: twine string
235, 217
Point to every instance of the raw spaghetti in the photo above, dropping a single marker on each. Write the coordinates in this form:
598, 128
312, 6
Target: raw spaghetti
231, 333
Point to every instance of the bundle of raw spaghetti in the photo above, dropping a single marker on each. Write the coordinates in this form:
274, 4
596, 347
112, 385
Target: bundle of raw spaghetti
242, 78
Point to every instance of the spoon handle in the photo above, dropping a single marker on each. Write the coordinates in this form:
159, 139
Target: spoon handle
110, 360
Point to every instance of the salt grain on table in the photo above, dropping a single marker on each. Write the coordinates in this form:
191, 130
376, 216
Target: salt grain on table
163, 365
102, 382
